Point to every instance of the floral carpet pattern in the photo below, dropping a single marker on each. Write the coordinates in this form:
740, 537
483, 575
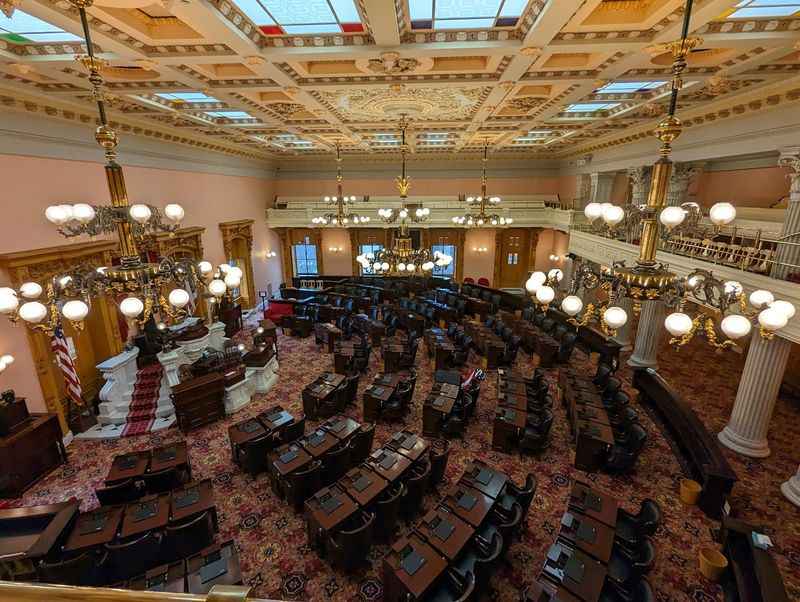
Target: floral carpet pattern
278, 564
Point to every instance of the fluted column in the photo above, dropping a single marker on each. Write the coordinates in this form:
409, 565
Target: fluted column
791, 488
624, 334
682, 174
640, 184
790, 254
651, 323
746, 431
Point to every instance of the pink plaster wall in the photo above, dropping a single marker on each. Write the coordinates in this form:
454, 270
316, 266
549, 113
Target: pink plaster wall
32, 183
477, 264
336, 263
758, 187
620, 189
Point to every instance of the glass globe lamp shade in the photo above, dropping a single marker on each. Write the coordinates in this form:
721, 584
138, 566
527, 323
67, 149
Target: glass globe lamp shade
572, 305
532, 284
179, 298
7, 290
722, 214
33, 312
241, 347
7, 359
376, 266
75, 310
784, 307
232, 280
224, 268
174, 212
131, 307
427, 266
31, 290
205, 267
83, 212
555, 274
735, 326
236, 271
672, 216
760, 298
545, 294
56, 214
613, 215
385, 265
401, 267
593, 211
140, 213
8, 303
217, 287
615, 317
772, 319
678, 324
733, 288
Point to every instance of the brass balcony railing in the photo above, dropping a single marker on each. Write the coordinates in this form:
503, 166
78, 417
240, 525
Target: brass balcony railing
11, 591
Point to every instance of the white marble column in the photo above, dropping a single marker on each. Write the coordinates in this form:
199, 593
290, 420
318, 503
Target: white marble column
651, 323
791, 224
602, 185
791, 488
640, 184
746, 431
624, 334
678, 189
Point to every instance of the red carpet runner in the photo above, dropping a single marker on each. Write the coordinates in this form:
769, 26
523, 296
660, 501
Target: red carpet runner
142, 411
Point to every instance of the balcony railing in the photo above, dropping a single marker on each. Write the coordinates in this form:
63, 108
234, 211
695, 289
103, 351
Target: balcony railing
39, 592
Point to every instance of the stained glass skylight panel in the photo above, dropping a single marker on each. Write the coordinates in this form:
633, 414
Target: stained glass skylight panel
629, 87
590, 107
303, 17
465, 14
23, 28
764, 9
229, 115
186, 96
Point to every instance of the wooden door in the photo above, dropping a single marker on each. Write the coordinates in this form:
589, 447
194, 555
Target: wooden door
515, 256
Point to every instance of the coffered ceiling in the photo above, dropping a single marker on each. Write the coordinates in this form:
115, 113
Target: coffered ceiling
272, 78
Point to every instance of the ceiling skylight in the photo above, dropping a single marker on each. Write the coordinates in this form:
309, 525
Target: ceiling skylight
23, 28
629, 87
186, 96
755, 9
590, 107
310, 17
457, 14
229, 114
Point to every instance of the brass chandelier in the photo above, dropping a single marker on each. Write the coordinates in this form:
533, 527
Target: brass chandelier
340, 215
403, 259
482, 219
161, 290
648, 280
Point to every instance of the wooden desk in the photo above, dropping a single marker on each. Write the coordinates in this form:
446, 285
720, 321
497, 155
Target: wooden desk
341, 427
391, 357
275, 419
169, 578
512, 387
327, 509
507, 428
31, 450
288, 458
155, 509
375, 396
468, 503
243, 432
388, 464
216, 565
589, 575
318, 443
331, 379
594, 504
544, 591
315, 395
343, 360
592, 443
587, 534
447, 390
94, 529
443, 530
443, 354
192, 499
514, 402
170, 456
363, 484
434, 411
485, 479
408, 444
387, 380
128, 466
413, 566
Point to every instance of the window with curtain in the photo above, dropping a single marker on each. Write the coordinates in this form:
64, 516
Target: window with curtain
445, 271
368, 248
304, 256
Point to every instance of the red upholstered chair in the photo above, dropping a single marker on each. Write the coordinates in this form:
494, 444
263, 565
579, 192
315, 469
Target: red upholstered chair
483, 281
469, 280
277, 309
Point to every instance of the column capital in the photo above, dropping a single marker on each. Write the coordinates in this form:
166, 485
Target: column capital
790, 157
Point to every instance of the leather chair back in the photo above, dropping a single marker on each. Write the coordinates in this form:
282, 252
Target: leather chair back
80, 570
361, 444
187, 538
294, 431
129, 558
335, 463
348, 548
119, 493
388, 510
439, 455
416, 488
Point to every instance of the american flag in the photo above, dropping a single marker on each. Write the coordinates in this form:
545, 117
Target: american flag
71, 380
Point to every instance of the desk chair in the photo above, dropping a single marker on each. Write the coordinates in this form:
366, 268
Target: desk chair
626, 568
361, 444
79, 570
187, 538
454, 587
439, 455
480, 559
253, 455
129, 558
335, 463
348, 548
416, 487
120, 493
302, 484
161, 480
631, 528
294, 431
387, 511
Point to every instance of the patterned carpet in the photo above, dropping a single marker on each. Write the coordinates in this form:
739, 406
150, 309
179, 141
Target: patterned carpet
277, 562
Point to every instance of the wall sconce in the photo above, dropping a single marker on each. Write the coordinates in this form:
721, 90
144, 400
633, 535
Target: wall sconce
480, 250
556, 258
335, 249
268, 254
5, 361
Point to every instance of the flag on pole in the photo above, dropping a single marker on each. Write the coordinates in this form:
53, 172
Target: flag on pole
65, 363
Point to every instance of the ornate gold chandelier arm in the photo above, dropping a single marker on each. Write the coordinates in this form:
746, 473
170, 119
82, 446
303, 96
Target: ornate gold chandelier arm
402, 181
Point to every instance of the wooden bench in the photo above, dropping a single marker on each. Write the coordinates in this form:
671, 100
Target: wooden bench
699, 448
